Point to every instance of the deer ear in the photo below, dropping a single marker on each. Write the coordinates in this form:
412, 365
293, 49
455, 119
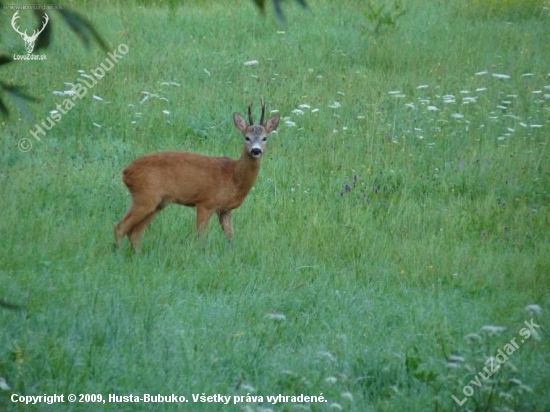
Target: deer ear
272, 123
240, 123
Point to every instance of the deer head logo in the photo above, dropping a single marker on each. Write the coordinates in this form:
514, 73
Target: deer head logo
29, 40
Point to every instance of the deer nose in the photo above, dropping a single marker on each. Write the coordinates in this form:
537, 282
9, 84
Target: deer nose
255, 152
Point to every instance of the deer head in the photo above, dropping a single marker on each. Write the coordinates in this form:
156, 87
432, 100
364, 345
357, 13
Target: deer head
255, 135
29, 40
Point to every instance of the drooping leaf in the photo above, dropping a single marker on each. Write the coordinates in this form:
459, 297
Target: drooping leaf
83, 29
18, 97
5, 59
44, 39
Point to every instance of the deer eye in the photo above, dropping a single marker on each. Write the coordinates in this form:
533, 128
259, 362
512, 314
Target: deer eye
264, 139
247, 139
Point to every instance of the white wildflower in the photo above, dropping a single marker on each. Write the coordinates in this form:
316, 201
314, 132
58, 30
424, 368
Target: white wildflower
331, 379
481, 89
97, 125
361, 117
433, 109
248, 388
4, 385
500, 76
341, 93
467, 100
493, 330
472, 337
314, 110
422, 86
336, 406
304, 106
347, 396
455, 358
537, 92
481, 73
276, 316
95, 97
327, 355
68, 84
54, 111
525, 388
298, 112
535, 335
534, 309
166, 111
290, 123
58, 93
527, 75
335, 105
280, 32
87, 76
409, 105
535, 126
395, 92
251, 63
457, 116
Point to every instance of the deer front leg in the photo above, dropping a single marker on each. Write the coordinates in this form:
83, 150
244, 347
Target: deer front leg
203, 217
226, 223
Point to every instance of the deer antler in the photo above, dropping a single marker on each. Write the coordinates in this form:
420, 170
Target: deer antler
250, 114
35, 33
15, 17
263, 111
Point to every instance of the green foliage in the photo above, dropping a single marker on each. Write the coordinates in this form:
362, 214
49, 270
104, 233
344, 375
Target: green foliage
481, 372
402, 205
383, 14
505, 9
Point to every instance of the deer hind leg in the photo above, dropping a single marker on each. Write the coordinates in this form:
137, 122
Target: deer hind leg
137, 230
136, 220
226, 224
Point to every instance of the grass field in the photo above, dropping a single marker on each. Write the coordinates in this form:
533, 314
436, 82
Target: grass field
397, 237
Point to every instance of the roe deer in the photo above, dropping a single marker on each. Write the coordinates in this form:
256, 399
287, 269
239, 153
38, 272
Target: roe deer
211, 184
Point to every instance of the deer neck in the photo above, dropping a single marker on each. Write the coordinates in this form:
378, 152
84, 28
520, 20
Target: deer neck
246, 171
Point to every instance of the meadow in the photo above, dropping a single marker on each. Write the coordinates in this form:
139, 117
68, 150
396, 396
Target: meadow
396, 239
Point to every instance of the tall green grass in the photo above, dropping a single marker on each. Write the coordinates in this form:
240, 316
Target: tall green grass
408, 211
